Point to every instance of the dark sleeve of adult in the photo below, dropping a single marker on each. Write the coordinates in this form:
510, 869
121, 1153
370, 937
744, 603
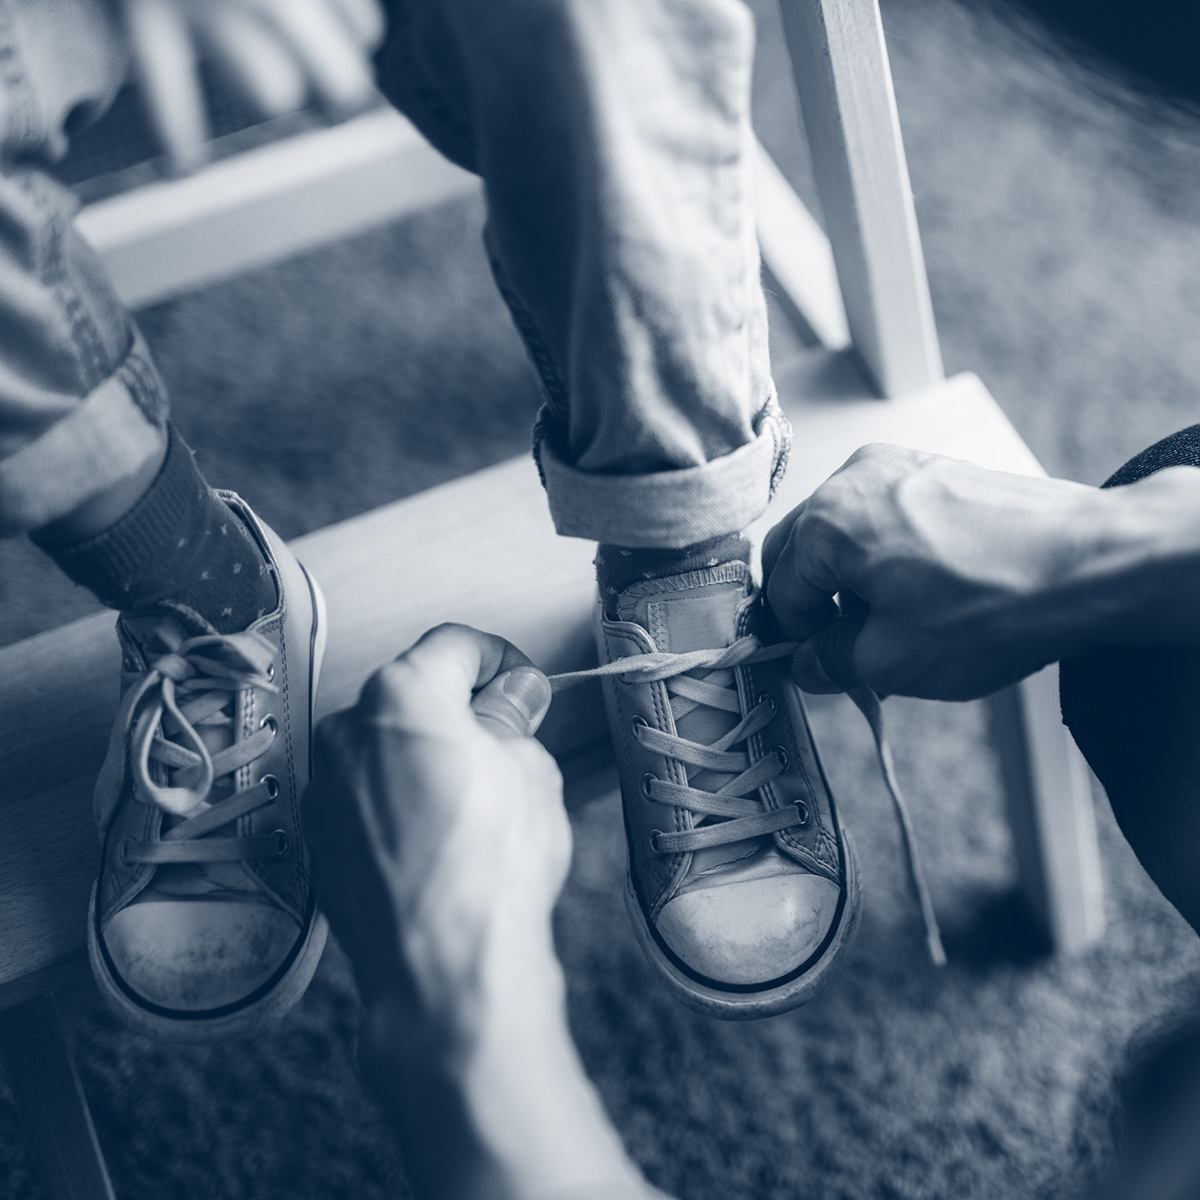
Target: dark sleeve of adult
1135, 714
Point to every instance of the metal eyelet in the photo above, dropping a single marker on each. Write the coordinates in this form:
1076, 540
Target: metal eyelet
781, 754
803, 810
769, 701
647, 780
272, 787
636, 724
269, 722
271, 673
283, 843
655, 834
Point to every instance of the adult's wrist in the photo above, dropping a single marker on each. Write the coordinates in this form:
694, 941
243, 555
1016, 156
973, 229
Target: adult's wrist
536, 1110
1128, 569
488, 1096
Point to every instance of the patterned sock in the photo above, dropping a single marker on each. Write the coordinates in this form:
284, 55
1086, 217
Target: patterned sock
179, 542
617, 567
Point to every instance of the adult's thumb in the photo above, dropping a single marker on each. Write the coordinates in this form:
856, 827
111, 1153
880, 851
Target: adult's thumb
514, 703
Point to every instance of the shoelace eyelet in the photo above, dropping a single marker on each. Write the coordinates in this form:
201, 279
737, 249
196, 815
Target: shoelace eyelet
271, 673
647, 780
637, 722
272, 787
655, 834
283, 843
769, 701
269, 722
803, 810
781, 754
123, 852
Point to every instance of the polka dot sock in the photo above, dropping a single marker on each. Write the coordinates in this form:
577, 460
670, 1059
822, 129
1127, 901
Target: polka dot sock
179, 542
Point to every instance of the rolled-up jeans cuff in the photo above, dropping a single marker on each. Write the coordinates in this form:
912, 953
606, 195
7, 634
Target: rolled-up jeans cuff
669, 509
108, 435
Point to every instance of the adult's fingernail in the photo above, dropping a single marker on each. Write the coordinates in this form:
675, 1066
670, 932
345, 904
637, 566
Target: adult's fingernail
529, 692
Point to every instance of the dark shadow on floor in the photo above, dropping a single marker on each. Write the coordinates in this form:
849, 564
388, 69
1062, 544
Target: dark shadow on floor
1002, 930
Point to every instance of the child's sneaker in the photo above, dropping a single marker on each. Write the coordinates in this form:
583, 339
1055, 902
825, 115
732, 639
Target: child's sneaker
203, 922
743, 887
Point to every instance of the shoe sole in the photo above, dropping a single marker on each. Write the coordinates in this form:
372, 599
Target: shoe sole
744, 1004
277, 996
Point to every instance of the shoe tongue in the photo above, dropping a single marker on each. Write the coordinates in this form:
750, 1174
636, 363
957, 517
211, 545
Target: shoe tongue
693, 611
143, 624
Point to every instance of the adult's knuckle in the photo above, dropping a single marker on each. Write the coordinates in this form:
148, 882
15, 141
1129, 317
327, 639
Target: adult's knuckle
391, 689
829, 507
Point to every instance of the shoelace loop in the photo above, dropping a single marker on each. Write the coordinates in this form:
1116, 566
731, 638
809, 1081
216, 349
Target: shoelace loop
745, 817
191, 684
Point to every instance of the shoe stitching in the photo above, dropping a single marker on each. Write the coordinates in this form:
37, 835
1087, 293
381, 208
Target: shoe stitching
274, 623
665, 886
825, 856
730, 572
824, 859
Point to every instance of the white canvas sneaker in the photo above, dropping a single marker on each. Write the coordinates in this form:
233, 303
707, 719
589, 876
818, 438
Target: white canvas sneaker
743, 886
203, 922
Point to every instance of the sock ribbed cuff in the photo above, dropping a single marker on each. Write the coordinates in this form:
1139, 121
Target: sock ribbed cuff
110, 564
180, 542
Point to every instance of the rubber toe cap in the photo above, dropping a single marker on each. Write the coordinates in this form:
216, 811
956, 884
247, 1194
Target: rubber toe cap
193, 955
753, 931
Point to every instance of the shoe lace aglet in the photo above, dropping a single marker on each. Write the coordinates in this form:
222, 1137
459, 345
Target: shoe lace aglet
936, 951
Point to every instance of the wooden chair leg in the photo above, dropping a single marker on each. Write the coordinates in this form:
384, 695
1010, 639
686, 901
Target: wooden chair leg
1050, 811
840, 65
54, 1113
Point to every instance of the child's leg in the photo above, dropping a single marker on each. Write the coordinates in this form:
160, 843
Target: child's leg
219, 624
83, 411
615, 145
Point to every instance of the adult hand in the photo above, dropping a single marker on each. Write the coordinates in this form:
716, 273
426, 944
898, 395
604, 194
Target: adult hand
439, 838
277, 52
956, 580
440, 844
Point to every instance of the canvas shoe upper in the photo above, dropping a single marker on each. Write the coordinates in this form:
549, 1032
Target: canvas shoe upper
203, 921
743, 886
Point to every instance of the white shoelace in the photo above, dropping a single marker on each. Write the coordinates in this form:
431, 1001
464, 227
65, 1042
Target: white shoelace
192, 682
729, 802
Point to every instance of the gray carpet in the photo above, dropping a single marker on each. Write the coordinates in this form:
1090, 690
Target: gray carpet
1060, 230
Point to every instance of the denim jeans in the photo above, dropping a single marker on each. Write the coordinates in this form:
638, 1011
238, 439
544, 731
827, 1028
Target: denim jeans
81, 405
615, 147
